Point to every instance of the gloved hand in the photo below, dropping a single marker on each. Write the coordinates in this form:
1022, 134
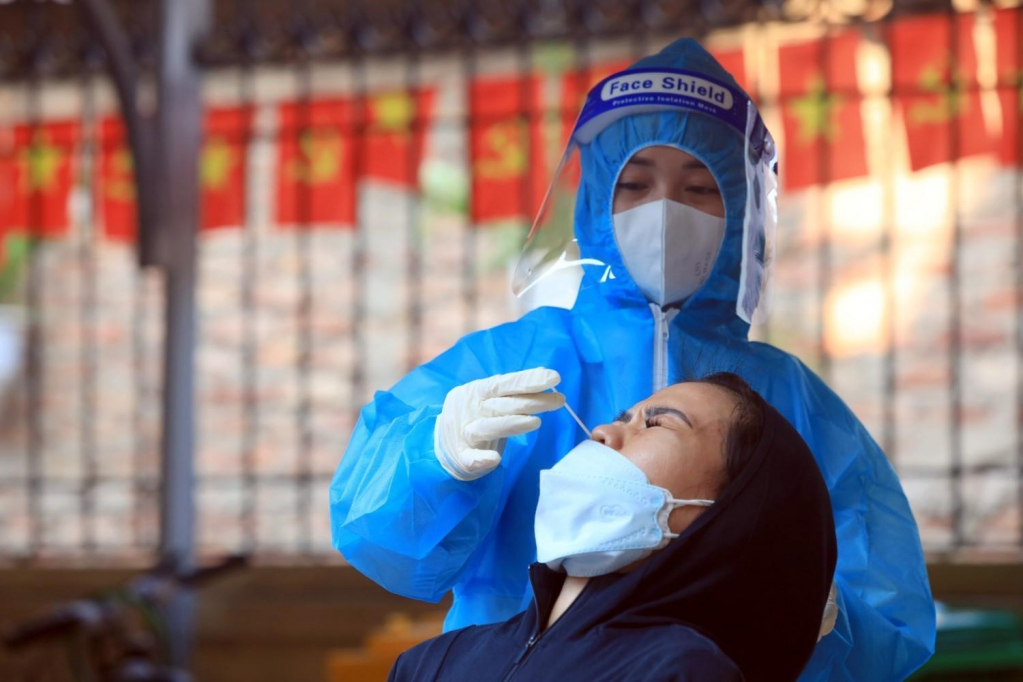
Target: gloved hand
830, 613
476, 418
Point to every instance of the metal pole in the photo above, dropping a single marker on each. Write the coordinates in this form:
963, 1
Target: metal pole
166, 152
178, 138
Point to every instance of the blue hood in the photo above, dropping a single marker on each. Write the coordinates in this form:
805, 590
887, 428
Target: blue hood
719, 146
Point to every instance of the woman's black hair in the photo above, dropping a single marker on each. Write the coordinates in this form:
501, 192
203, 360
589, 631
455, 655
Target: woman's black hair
746, 426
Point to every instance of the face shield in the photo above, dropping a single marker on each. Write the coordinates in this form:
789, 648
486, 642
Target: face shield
551, 257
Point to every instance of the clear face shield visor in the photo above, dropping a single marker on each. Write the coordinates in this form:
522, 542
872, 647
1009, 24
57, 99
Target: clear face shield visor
551, 257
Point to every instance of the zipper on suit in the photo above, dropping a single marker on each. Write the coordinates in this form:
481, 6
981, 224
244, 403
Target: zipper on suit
662, 324
521, 657
538, 635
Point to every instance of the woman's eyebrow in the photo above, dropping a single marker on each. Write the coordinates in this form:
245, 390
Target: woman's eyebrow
624, 416
639, 161
670, 411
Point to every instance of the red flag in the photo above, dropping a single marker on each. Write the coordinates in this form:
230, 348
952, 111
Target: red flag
221, 173
116, 186
396, 125
1008, 27
734, 62
821, 111
933, 87
222, 167
315, 163
509, 175
575, 85
36, 176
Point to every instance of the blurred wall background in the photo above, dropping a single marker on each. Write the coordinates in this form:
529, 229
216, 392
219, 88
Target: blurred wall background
369, 173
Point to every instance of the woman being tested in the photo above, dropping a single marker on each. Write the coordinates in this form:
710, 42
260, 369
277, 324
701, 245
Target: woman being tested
692, 539
672, 233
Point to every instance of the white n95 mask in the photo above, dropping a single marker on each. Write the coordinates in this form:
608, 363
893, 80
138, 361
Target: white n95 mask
669, 248
598, 513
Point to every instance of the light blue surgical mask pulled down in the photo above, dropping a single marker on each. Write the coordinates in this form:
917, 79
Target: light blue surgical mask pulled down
598, 513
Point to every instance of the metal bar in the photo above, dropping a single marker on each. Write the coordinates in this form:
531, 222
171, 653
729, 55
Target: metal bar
557, 26
824, 250
145, 314
889, 425
470, 239
34, 347
87, 322
358, 253
178, 140
524, 118
141, 445
955, 311
75, 482
1018, 178
414, 261
250, 336
303, 321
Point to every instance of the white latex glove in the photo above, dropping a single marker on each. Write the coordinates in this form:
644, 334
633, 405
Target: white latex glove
830, 613
476, 418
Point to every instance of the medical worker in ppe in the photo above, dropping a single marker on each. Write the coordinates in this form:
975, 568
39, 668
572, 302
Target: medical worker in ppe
438, 488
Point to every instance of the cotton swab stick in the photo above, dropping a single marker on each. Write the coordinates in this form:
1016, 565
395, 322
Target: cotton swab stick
575, 416
578, 421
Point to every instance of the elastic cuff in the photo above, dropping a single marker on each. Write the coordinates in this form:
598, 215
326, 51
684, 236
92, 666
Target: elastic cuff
446, 461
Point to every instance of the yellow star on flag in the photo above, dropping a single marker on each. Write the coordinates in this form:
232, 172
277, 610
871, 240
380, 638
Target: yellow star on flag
950, 101
121, 184
39, 163
216, 162
815, 111
393, 111
320, 157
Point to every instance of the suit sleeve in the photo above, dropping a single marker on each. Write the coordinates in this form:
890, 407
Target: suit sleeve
396, 515
886, 623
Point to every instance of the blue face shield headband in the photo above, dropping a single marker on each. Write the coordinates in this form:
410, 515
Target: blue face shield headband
551, 257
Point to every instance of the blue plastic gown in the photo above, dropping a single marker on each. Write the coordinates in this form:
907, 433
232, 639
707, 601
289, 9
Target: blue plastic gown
401, 520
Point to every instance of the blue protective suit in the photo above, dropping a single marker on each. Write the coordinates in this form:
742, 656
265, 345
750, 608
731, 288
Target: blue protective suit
401, 520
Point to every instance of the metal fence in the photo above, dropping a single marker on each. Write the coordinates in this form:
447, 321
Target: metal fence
368, 180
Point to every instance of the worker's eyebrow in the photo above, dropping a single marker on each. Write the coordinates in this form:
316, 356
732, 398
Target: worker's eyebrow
670, 411
692, 164
625, 417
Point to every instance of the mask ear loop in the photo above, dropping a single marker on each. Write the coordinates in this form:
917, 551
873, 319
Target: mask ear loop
674, 504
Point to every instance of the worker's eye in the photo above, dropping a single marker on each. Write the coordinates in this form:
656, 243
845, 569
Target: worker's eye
632, 186
703, 190
653, 421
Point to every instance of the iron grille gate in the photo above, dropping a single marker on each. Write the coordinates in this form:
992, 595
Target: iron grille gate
910, 309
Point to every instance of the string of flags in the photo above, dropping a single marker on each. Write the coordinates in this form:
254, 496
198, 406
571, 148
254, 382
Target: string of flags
956, 83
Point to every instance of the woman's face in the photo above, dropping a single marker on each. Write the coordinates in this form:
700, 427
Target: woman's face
676, 436
663, 172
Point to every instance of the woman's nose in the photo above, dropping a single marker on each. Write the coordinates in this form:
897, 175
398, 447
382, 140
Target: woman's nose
611, 435
677, 193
